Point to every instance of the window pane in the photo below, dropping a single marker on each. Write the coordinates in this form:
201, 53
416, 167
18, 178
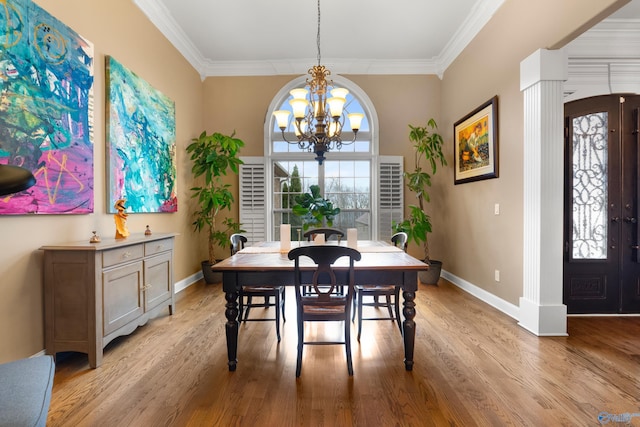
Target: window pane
590, 182
347, 185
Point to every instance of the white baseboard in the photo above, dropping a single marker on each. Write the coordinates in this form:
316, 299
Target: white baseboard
188, 281
494, 301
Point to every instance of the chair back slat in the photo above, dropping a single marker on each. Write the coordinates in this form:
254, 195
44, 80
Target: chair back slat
328, 232
237, 242
324, 280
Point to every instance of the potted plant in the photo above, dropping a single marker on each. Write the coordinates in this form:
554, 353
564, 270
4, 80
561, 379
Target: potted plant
428, 149
315, 210
213, 157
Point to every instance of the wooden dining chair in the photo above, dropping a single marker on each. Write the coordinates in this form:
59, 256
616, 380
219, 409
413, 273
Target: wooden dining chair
324, 305
380, 291
266, 291
328, 233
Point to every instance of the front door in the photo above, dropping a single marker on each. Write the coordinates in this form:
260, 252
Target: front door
601, 256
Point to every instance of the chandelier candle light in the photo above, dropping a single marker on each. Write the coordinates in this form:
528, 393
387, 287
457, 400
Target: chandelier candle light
318, 117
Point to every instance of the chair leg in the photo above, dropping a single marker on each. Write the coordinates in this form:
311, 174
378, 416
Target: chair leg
284, 296
277, 307
300, 345
347, 344
246, 311
266, 302
361, 296
389, 307
240, 306
397, 304
354, 307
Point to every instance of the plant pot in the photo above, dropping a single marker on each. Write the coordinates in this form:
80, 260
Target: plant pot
210, 276
432, 275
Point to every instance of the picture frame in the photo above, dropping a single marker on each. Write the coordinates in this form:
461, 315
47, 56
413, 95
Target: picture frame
475, 144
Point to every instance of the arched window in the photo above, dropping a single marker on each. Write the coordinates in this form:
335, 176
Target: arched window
352, 178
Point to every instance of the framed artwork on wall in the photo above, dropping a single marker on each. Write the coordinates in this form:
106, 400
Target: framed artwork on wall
141, 143
46, 111
475, 144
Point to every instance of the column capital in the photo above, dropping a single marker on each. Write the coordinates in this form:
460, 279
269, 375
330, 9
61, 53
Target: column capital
543, 64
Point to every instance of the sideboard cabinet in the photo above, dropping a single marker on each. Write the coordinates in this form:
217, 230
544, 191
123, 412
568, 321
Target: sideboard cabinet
95, 292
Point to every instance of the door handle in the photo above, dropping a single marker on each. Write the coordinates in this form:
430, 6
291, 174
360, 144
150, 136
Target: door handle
635, 247
615, 219
630, 220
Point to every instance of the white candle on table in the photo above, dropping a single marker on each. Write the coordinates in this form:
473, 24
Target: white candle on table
285, 237
352, 238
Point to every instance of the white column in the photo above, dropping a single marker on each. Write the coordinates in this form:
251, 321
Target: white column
541, 79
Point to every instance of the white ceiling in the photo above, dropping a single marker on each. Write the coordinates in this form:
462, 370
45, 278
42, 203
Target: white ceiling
256, 37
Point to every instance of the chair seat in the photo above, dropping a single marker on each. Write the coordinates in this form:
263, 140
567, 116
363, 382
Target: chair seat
376, 288
325, 309
259, 289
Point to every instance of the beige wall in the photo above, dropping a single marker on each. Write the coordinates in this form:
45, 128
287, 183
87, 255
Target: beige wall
117, 28
470, 239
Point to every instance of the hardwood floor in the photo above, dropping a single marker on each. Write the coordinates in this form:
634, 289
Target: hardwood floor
474, 366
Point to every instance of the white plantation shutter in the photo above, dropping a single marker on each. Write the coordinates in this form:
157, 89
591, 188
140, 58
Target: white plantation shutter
390, 194
253, 207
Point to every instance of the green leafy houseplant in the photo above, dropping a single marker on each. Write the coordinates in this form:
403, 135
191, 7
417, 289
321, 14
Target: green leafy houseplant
213, 157
427, 144
315, 210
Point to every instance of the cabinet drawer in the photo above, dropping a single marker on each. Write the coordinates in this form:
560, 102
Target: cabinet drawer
120, 255
157, 246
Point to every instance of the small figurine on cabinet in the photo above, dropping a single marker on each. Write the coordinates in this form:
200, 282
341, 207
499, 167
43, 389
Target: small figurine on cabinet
147, 232
120, 218
95, 238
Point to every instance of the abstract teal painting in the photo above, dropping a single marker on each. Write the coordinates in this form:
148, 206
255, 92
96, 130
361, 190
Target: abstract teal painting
46, 107
140, 143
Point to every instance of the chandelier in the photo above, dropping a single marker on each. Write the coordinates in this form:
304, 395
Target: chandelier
318, 112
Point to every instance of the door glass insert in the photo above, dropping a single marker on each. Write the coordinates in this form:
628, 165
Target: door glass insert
589, 186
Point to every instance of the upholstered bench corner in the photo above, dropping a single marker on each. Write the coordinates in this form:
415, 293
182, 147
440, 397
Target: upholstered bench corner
25, 391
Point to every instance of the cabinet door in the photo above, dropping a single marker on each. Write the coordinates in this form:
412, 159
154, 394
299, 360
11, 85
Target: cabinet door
122, 295
157, 280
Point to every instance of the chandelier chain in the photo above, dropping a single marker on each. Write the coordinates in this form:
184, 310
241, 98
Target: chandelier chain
318, 35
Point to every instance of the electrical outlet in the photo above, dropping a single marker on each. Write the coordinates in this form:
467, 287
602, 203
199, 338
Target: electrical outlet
497, 275
496, 209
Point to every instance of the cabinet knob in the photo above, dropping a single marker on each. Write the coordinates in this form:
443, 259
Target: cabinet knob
126, 255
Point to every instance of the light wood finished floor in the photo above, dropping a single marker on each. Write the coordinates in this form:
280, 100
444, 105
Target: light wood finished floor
474, 366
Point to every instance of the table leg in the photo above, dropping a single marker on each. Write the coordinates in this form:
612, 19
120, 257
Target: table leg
409, 328
232, 328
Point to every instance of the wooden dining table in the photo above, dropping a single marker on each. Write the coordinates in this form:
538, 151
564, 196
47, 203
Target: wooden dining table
267, 263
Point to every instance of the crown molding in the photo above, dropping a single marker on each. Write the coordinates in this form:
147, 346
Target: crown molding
480, 14
159, 16
337, 66
604, 60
